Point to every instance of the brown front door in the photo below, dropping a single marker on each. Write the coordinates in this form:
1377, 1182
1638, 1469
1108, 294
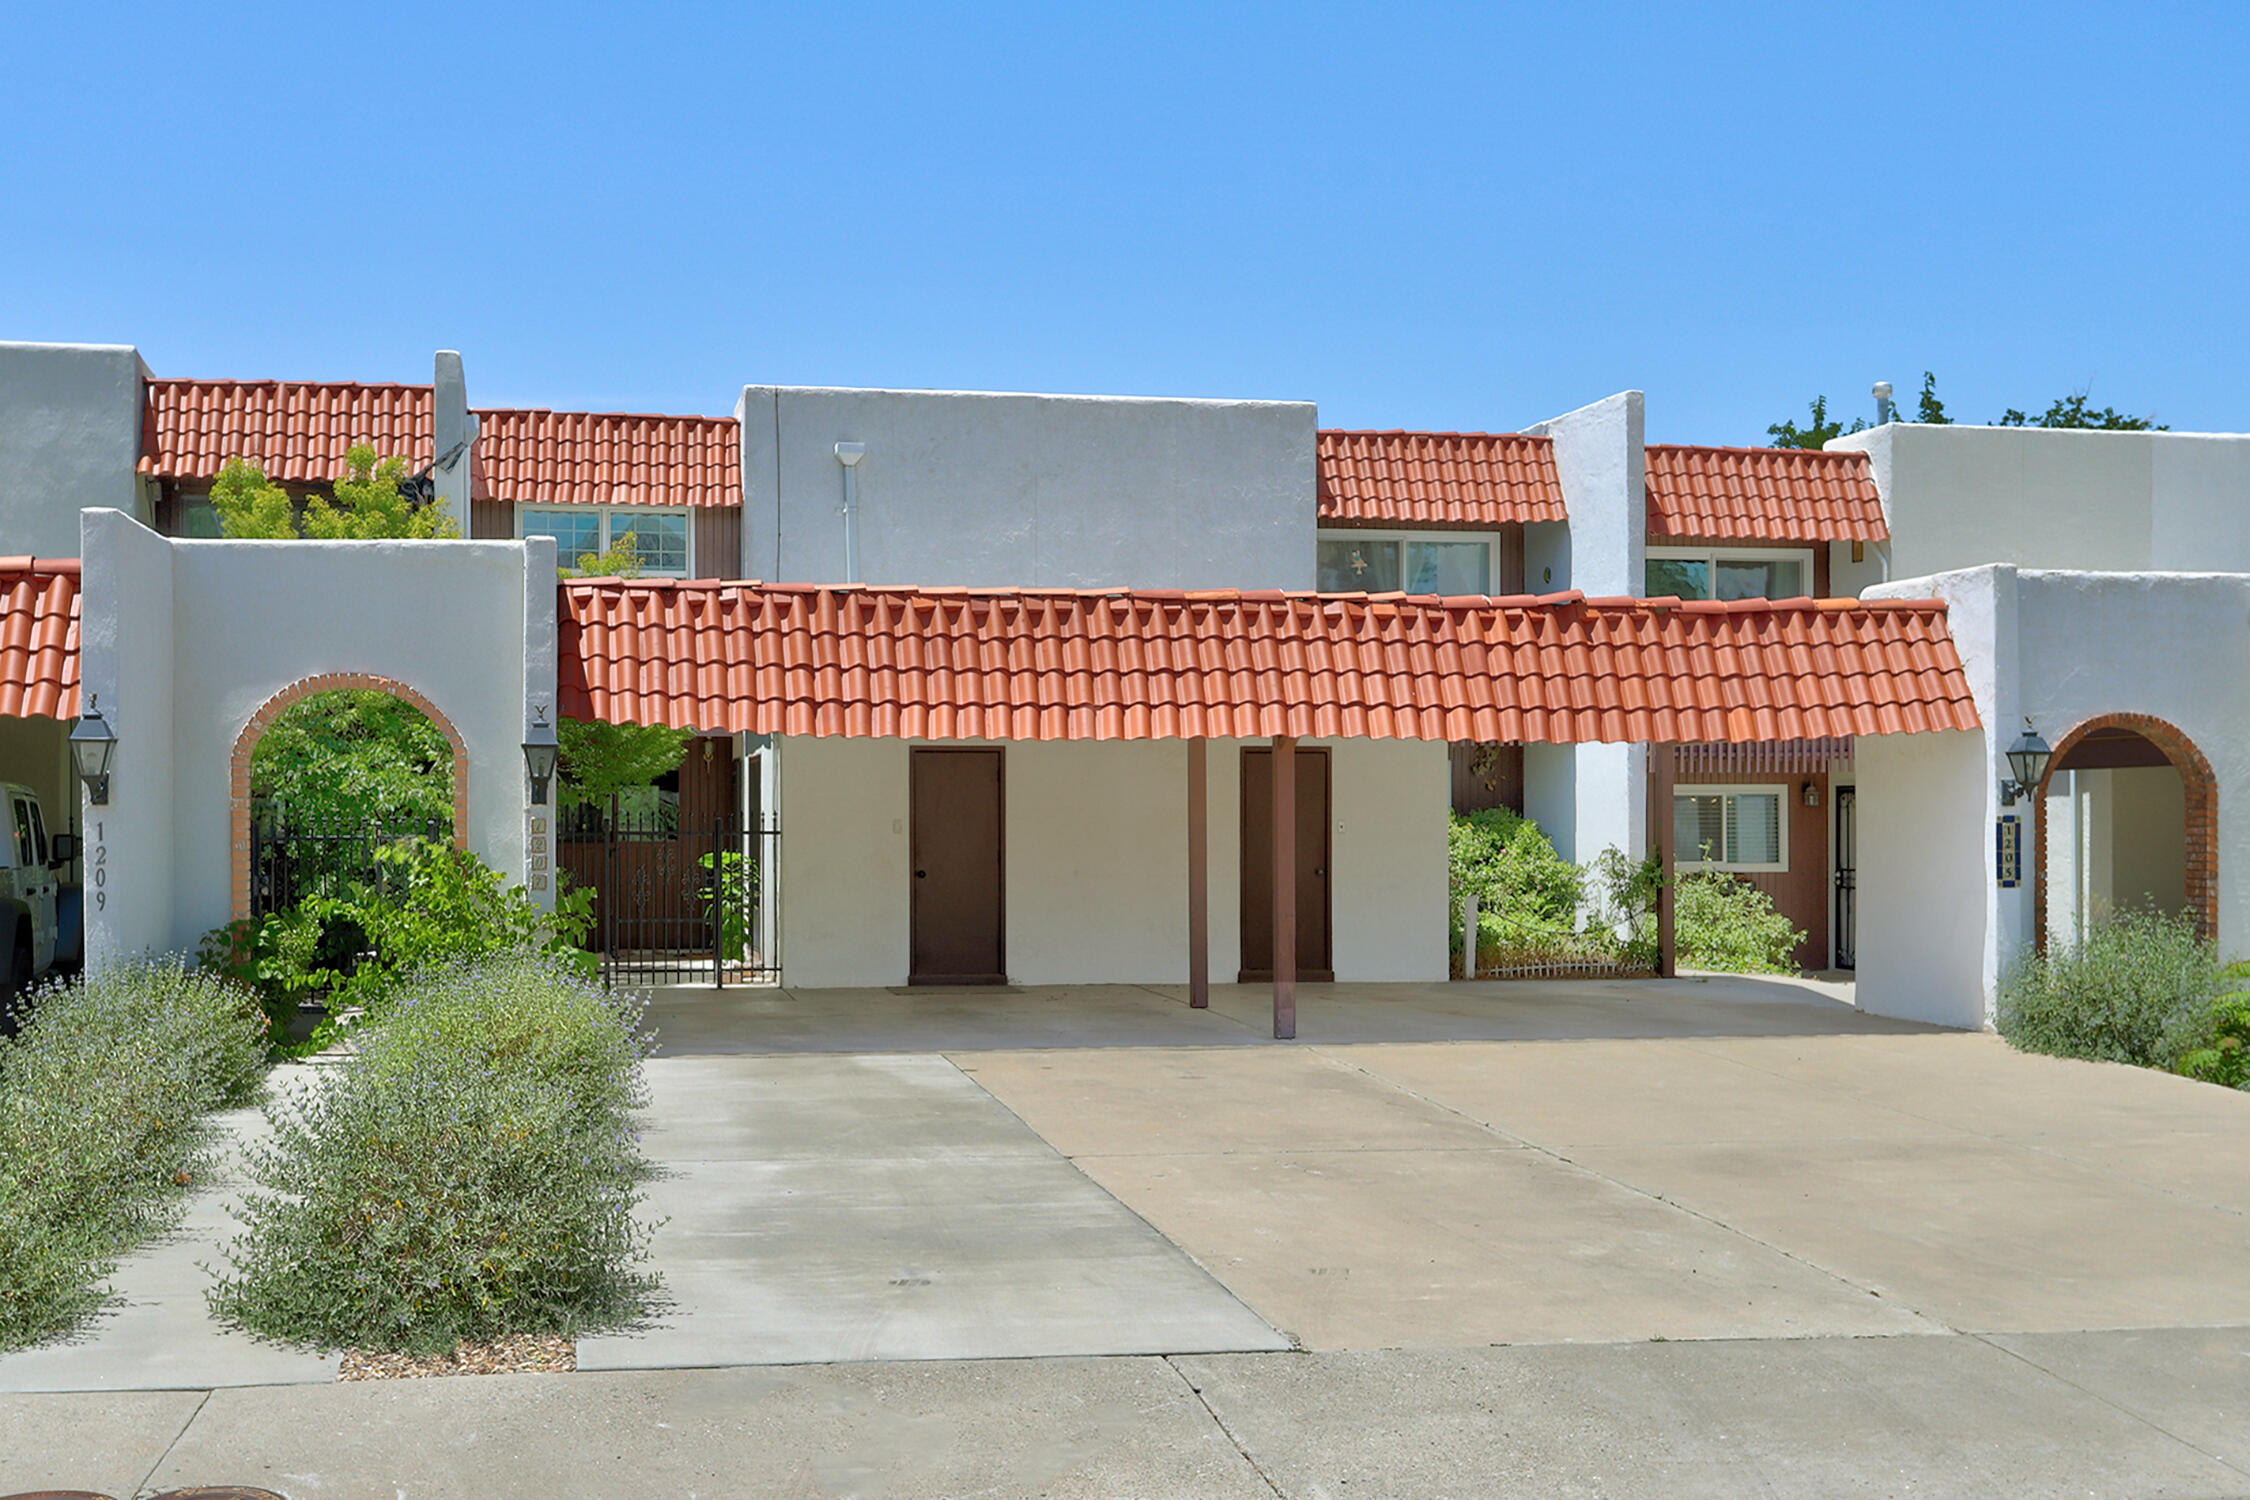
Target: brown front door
1314, 960
958, 923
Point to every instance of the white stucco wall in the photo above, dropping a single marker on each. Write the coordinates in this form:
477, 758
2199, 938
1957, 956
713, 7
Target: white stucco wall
1096, 861
1960, 496
125, 669
2060, 648
844, 874
70, 437
1387, 880
1925, 878
1600, 459
1030, 490
187, 640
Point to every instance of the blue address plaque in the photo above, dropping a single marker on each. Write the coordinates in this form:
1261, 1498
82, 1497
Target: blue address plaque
2007, 840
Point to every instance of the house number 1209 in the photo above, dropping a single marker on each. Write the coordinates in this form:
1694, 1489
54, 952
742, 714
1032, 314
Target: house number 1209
101, 870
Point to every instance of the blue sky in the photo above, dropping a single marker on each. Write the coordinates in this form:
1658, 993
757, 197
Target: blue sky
1419, 217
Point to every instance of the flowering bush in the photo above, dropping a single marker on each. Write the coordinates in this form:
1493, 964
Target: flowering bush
105, 1098
470, 1172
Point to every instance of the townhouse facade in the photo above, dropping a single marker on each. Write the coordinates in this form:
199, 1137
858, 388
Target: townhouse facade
1055, 653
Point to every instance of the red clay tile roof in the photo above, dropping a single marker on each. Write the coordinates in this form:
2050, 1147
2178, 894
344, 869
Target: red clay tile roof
1762, 494
1437, 479
299, 432
1035, 665
39, 637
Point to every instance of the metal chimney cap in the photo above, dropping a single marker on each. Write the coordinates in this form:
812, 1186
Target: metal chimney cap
1882, 390
848, 454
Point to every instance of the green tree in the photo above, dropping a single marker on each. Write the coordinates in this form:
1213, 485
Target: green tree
2077, 410
354, 754
363, 505
1815, 434
1930, 411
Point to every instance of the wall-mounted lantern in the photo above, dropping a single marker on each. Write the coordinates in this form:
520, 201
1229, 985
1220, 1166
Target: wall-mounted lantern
541, 749
92, 743
1810, 795
2028, 759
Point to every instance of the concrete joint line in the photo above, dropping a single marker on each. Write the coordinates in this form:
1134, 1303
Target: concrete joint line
2124, 1411
1138, 1217
1221, 1423
150, 1476
1555, 1155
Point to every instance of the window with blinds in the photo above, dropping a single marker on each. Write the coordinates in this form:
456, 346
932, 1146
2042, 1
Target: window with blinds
1730, 828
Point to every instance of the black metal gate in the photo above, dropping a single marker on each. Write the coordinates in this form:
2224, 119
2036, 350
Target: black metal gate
677, 901
296, 858
1847, 877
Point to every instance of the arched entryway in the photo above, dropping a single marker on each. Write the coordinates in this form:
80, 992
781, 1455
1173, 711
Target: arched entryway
2138, 806
239, 807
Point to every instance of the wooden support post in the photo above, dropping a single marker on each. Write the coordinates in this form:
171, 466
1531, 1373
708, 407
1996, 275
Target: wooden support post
1660, 774
1284, 887
1199, 878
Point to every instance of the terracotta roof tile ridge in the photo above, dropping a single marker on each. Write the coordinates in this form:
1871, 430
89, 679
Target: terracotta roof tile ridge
1427, 432
357, 385
1848, 455
617, 416
44, 566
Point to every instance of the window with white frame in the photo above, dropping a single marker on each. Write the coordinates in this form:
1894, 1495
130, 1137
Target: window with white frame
1742, 828
1730, 572
660, 537
1386, 562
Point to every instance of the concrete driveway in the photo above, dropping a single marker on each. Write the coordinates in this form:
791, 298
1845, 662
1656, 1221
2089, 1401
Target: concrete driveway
1680, 1240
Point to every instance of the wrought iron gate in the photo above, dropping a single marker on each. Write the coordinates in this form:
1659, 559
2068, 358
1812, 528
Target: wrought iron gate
677, 901
1847, 877
294, 858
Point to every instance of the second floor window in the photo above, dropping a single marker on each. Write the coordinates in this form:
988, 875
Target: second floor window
1385, 562
1728, 573
660, 537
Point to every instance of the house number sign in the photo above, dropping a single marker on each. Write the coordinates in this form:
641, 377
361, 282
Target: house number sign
2008, 851
538, 852
98, 870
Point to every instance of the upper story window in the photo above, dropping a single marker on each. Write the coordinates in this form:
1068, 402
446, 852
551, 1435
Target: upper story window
660, 537
1729, 572
1385, 562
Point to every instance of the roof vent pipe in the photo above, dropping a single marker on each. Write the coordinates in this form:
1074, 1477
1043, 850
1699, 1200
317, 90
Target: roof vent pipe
849, 455
1882, 402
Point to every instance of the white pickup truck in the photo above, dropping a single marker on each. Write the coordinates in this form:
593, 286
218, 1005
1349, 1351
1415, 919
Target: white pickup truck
40, 921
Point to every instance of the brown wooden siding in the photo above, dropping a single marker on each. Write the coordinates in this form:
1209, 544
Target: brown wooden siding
1803, 893
1499, 783
492, 521
718, 541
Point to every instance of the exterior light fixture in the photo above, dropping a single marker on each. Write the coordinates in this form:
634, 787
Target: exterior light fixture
1811, 794
92, 744
541, 749
2028, 759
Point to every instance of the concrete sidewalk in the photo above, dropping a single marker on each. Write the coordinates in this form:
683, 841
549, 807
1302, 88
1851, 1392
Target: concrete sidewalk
2142, 1413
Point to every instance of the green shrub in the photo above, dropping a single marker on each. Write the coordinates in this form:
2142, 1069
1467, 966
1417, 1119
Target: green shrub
105, 1098
431, 905
1730, 925
1527, 895
2222, 1054
2136, 990
1624, 913
470, 1172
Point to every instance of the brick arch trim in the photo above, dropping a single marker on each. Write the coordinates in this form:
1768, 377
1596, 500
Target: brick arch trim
297, 692
2202, 795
